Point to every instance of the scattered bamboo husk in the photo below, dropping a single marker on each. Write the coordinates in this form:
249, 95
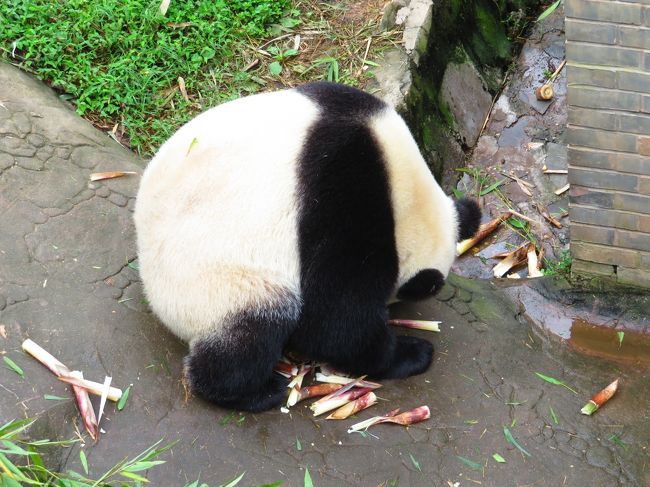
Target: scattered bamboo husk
405, 419
325, 400
164, 5
600, 398
114, 394
98, 176
533, 263
295, 386
85, 407
547, 216
181, 86
343, 380
556, 171
483, 232
354, 407
286, 369
511, 259
337, 399
317, 390
102, 401
545, 92
417, 324
562, 189
63, 372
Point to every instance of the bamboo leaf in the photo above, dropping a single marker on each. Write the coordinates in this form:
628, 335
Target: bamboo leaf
553, 380
470, 463
7, 481
50, 397
498, 458
553, 415
140, 466
235, 481
517, 223
492, 187
415, 462
549, 10
125, 396
84, 461
512, 441
13, 366
134, 476
307, 482
621, 336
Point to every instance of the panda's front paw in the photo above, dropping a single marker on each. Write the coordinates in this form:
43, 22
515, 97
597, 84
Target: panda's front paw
412, 356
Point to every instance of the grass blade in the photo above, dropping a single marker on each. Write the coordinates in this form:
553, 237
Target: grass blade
492, 187
123, 399
554, 381
471, 464
512, 441
307, 481
13, 366
50, 397
549, 10
553, 415
235, 481
84, 461
415, 462
498, 458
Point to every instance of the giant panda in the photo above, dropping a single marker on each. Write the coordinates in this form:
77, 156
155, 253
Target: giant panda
287, 221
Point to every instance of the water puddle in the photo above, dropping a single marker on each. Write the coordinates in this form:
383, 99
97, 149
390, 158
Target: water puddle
604, 342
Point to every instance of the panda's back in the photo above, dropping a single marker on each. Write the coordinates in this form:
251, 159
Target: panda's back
217, 208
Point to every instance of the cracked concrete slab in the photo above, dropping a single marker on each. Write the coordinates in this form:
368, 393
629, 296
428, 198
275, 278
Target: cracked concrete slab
68, 281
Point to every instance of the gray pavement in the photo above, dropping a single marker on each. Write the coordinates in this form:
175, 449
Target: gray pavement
65, 282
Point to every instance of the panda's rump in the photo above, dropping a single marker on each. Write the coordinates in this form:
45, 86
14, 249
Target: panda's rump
216, 213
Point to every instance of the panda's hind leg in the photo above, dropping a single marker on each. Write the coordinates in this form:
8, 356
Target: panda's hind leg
234, 368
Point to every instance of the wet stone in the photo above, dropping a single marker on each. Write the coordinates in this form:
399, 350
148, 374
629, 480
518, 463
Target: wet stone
578, 444
31, 163
599, 456
445, 294
6, 161
44, 153
118, 199
36, 140
118, 280
101, 290
15, 146
85, 195
63, 152
131, 205
103, 192
460, 306
53, 211
3, 302
464, 295
22, 122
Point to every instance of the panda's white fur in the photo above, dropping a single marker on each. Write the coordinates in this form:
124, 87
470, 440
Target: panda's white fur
216, 213
217, 219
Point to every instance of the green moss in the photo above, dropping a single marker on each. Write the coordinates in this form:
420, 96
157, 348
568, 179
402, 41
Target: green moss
489, 42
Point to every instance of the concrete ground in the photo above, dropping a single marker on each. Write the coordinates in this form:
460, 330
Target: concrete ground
67, 281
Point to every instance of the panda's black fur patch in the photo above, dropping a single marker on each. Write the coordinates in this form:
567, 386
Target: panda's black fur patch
469, 218
346, 237
235, 369
422, 285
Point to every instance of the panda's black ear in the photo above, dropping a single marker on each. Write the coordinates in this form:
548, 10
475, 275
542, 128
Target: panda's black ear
469, 218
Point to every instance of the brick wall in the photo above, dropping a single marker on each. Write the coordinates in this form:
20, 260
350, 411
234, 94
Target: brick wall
608, 63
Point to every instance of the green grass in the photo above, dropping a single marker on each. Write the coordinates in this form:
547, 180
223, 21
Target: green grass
119, 60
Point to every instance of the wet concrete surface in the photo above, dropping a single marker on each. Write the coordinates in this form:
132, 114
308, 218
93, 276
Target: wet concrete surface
67, 280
